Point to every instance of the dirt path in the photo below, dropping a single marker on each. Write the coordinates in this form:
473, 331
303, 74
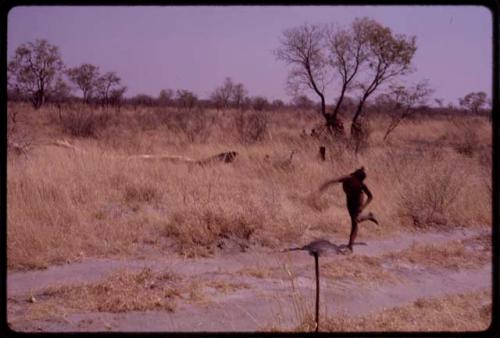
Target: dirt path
269, 301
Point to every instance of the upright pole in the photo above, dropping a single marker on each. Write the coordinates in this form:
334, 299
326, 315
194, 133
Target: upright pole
316, 261
322, 153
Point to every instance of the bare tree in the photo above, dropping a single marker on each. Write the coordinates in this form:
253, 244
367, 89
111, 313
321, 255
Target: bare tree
116, 96
85, 77
166, 97
223, 94
186, 99
387, 57
105, 84
60, 93
362, 57
34, 70
473, 101
347, 52
238, 95
302, 48
403, 102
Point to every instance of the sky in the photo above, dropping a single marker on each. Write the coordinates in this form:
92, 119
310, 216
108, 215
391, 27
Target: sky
196, 48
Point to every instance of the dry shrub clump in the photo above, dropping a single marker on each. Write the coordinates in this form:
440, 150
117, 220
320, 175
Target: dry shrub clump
251, 126
454, 255
464, 135
84, 122
200, 233
441, 189
427, 198
123, 291
460, 312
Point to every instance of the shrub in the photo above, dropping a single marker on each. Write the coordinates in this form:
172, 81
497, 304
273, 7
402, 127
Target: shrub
84, 123
196, 125
427, 198
251, 126
200, 232
138, 193
146, 120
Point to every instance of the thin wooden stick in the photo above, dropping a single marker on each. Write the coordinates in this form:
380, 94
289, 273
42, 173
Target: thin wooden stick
316, 262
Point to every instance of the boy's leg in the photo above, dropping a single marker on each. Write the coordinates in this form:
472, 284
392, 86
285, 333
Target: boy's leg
367, 217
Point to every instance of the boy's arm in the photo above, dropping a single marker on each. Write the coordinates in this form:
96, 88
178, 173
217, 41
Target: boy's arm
328, 183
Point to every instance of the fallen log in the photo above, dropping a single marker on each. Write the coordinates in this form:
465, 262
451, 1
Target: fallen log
172, 158
226, 157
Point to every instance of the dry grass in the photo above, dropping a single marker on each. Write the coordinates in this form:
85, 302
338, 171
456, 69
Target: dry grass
362, 269
452, 313
225, 286
63, 205
461, 312
123, 291
255, 272
454, 255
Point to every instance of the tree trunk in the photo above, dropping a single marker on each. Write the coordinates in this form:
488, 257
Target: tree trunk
335, 125
322, 153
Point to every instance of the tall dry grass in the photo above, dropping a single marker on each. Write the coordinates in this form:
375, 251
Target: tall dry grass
464, 312
64, 204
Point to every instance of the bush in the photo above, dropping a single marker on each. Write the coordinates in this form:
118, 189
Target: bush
84, 123
146, 120
199, 232
251, 126
462, 136
196, 125
360, 135
427, 198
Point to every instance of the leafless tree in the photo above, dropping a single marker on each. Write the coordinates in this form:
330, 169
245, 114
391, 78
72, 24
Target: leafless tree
107, 83
34, 70
347, 51
85, 77
222, 95
166, 97
116, 96
360, 58
302, 48
387, 56
238, 95
473, 101
403, 101
186, 99
59, 94
229, 94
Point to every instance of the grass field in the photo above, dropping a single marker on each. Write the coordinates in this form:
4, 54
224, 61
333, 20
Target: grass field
96, 201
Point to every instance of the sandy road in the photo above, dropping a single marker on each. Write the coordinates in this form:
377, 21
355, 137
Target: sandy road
270, 299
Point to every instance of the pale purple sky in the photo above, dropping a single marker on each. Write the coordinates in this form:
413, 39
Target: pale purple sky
195, 48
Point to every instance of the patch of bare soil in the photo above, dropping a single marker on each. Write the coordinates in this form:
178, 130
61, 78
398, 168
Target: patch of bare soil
253, 291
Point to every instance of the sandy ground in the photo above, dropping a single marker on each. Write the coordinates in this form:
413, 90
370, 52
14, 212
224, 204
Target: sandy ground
273, 280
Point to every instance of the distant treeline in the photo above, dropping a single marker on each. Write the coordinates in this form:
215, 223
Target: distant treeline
38, 75
254, 103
